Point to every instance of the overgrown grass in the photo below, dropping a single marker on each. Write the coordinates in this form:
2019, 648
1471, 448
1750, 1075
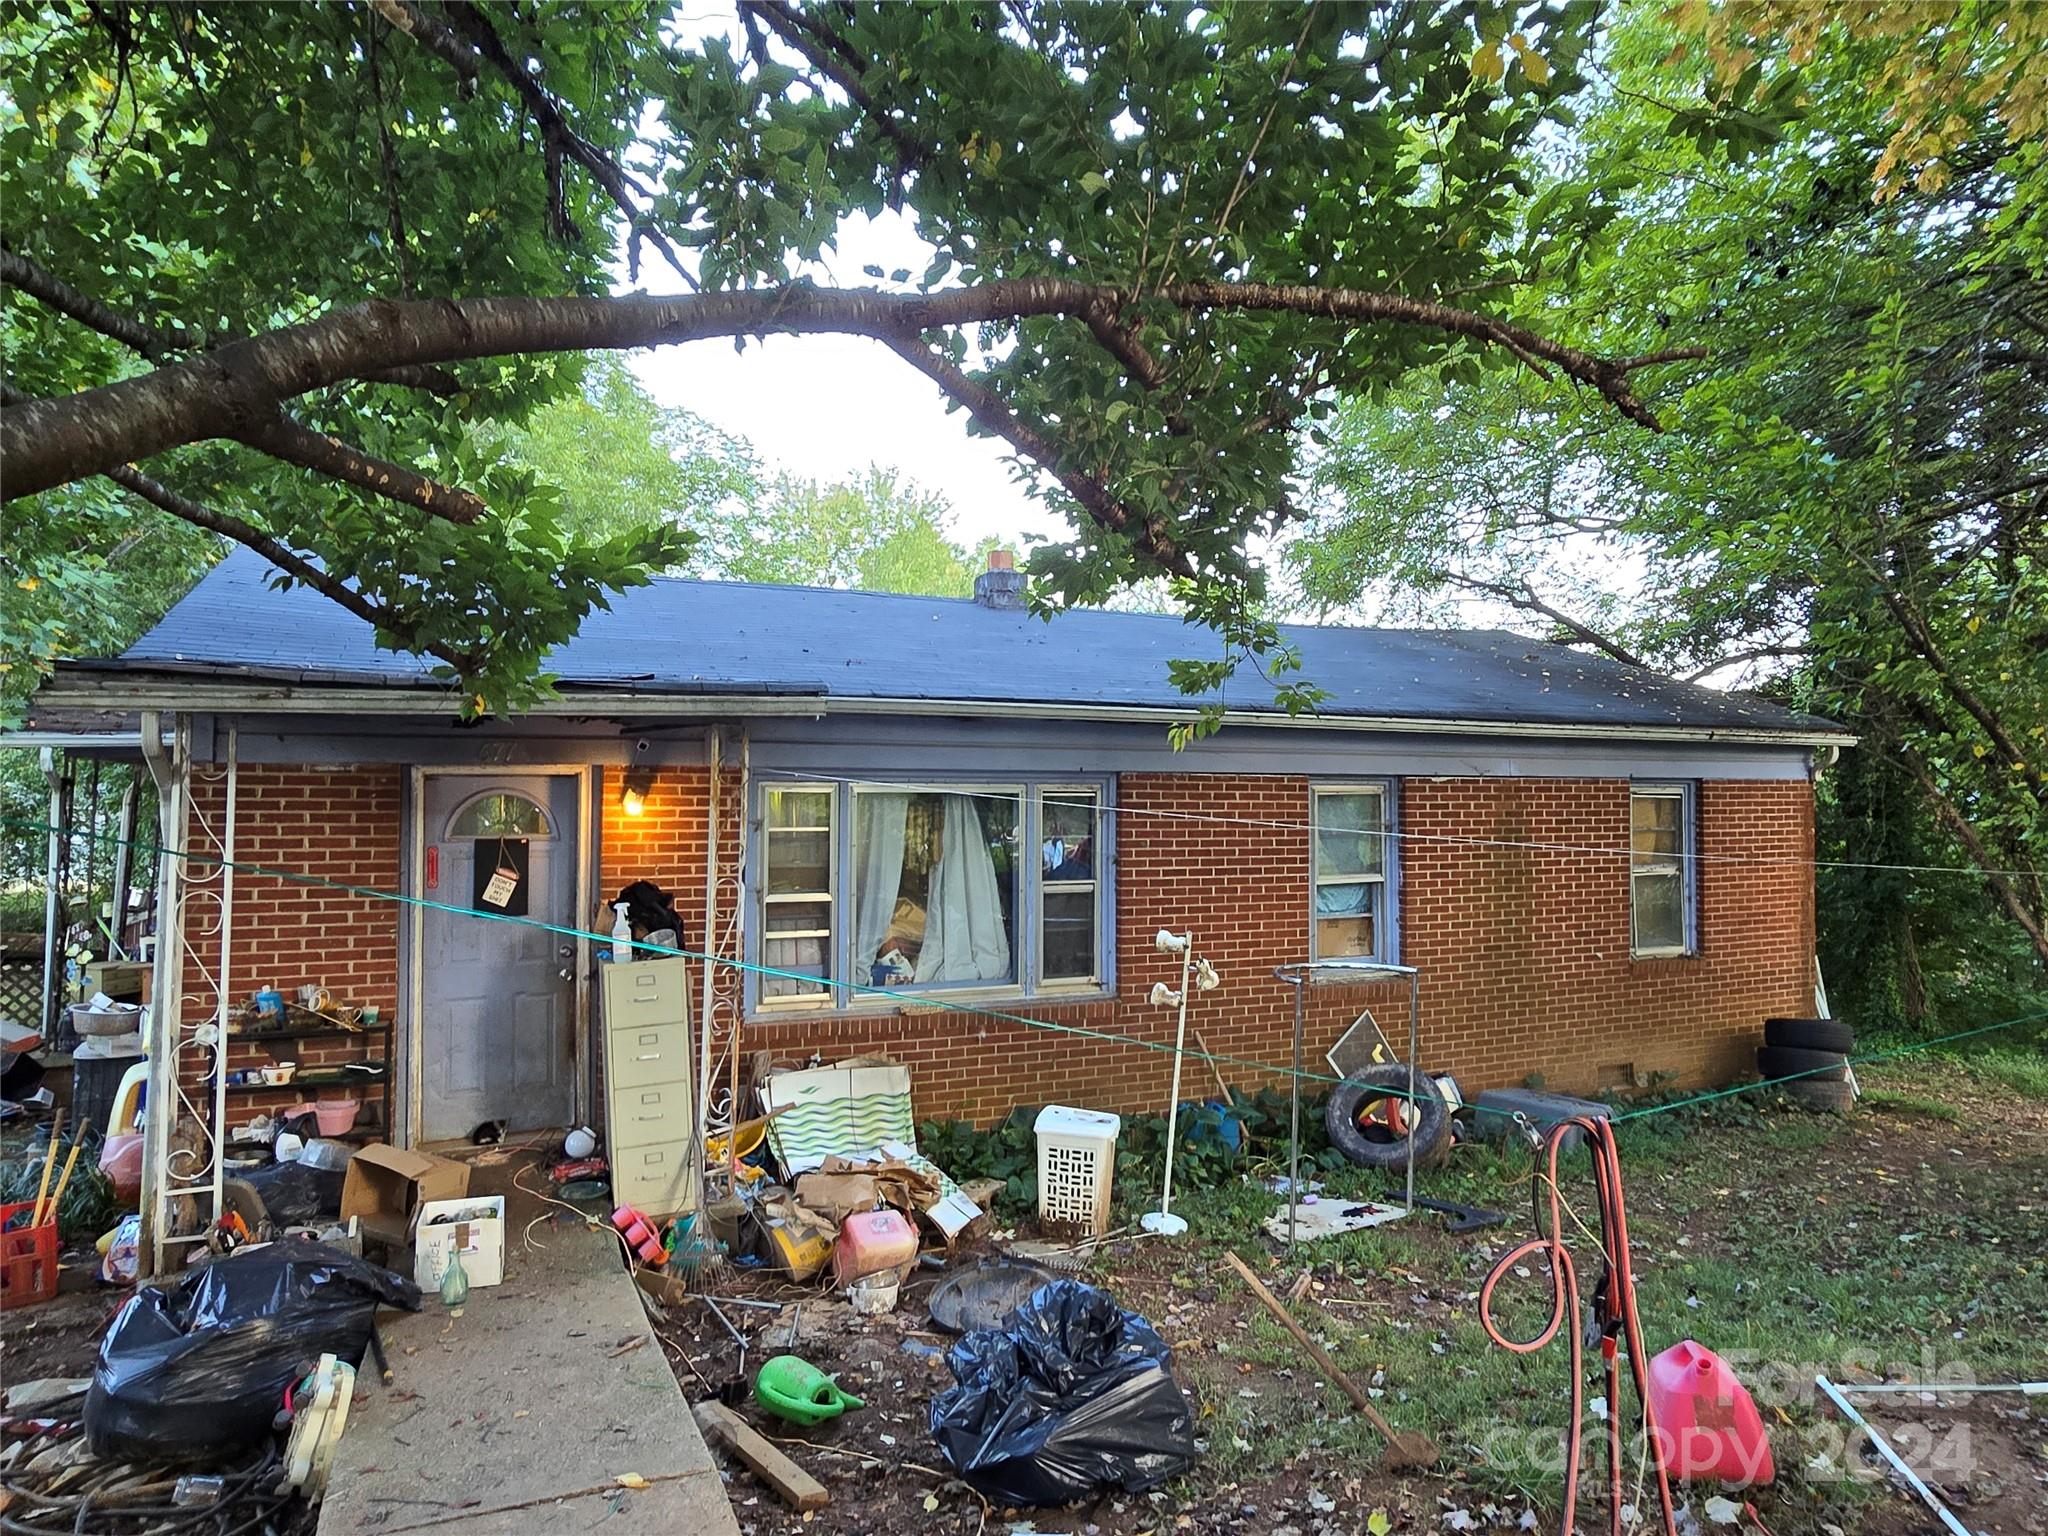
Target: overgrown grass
1776, 1236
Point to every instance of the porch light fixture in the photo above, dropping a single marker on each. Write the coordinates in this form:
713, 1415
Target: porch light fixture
633, 793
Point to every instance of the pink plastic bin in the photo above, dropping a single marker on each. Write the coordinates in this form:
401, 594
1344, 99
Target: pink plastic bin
872, 1241
1709, 1426
336, 1117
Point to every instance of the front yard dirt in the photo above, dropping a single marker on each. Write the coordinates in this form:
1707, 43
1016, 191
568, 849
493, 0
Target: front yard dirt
1902, 1242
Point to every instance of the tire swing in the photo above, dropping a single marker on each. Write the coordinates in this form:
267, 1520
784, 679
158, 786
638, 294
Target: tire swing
1372, 1118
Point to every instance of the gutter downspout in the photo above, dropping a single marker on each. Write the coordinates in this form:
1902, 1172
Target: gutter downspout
52, 865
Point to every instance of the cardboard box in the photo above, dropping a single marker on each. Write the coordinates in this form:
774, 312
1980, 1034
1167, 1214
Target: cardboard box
386, 1186
478, 1235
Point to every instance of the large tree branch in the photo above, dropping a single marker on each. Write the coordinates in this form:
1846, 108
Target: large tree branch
283, 438
278, 553
238, 386
16, 270
1525, 598
1095, 498
433, 34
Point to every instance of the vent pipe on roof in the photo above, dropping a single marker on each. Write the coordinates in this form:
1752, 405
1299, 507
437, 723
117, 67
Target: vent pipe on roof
1002, 584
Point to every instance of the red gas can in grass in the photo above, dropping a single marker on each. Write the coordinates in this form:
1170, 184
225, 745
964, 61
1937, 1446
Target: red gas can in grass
1710, 1429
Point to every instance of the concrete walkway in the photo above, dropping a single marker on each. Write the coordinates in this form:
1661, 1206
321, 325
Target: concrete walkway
521, 1414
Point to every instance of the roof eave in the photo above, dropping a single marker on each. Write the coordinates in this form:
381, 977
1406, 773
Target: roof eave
220, 696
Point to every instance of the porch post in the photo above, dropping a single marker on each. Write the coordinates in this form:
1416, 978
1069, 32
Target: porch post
53, 870
170, 770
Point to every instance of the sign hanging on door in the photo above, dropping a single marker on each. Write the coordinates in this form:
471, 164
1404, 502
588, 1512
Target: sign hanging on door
498, 876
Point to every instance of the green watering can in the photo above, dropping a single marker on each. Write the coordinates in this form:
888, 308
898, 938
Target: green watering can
796, 1390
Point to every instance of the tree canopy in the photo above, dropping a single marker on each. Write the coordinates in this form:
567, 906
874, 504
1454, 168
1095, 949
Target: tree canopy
1850, 506
275, 269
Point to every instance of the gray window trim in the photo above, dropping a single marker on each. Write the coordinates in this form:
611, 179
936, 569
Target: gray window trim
1387, 932
1687, 795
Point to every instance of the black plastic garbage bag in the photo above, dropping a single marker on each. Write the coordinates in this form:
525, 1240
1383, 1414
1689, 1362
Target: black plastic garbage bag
198, 1370
1070, 1395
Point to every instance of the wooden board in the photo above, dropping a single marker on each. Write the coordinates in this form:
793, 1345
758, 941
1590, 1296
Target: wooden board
792, 1484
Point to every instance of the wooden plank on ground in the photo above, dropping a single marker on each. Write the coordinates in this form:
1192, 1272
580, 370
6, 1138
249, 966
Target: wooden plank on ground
792, 1484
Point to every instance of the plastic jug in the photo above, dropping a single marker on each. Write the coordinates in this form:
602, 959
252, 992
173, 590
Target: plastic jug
1709, 1427
872, 1241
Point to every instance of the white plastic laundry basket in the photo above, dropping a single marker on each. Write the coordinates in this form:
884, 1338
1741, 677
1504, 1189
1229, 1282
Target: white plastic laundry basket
1076, 1157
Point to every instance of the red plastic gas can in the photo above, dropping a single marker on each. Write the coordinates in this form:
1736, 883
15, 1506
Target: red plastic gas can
1706, 1421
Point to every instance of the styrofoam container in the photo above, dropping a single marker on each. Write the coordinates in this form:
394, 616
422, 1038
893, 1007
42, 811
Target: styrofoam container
480, 1236
1076, 1161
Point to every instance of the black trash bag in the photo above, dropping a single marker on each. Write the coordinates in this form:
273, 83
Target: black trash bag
296, 1193
1070, 1395
197, 1371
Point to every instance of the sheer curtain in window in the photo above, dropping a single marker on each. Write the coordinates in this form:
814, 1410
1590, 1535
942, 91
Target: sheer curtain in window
964, 936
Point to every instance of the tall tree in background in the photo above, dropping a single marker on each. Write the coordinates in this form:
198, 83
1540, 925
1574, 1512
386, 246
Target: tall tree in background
1852, 502
299, 257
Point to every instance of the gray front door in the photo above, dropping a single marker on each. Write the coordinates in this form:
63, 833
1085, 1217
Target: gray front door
497, 1019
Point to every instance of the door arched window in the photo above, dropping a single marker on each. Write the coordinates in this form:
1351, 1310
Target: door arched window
498, 813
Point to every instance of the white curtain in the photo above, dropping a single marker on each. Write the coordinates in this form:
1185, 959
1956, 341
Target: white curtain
963, 928
878, 842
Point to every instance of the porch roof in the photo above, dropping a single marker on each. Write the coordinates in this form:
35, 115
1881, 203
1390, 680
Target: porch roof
677, 639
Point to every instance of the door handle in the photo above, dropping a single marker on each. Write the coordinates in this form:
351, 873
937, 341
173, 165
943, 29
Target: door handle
566, 974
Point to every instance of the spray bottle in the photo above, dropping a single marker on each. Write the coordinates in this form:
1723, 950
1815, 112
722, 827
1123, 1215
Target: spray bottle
622, 935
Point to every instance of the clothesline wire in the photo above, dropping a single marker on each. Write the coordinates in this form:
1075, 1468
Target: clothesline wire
925, 1000
798, 778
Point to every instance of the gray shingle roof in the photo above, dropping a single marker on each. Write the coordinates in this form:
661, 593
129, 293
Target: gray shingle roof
696, 637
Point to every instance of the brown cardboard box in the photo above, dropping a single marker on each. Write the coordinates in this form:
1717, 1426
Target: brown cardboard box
386, 1186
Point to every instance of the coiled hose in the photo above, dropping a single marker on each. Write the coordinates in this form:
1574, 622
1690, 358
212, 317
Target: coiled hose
1612, 1320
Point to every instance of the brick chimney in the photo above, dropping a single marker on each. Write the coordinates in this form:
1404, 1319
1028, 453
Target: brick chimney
1002, 584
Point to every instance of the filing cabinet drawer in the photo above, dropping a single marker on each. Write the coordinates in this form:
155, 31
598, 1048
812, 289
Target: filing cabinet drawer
652, 1111
645, 992
656, 1177
647, 1053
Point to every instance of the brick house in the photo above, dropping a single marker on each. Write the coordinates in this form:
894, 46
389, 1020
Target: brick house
913, 826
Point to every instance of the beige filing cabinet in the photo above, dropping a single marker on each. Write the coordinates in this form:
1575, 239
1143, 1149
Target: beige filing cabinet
648, 1090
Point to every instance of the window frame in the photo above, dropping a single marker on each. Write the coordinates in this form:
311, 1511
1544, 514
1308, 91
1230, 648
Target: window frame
1041, 887
843, 993
1686, 859
1387, 924
763, 897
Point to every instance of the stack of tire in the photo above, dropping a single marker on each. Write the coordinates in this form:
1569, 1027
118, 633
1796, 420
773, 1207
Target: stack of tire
1809, 1059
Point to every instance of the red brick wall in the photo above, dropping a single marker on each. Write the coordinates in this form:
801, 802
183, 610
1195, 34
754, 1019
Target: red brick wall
340, 824
1524, 952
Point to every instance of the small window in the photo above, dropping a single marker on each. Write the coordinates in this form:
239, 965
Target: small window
499, 814
1659, 874
796, 893
1069, 887
1350, 912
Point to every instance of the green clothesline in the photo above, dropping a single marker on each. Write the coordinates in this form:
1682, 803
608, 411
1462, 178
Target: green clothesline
925, 1000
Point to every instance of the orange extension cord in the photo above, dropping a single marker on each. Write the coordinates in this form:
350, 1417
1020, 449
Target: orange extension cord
1613, 1315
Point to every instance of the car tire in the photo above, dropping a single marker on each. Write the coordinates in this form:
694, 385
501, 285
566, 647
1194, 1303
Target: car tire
1371, 1144
1810, 1035
1783, 1061
1816, 1093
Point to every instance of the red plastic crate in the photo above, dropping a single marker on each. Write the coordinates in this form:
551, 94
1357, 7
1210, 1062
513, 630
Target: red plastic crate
28, 1259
